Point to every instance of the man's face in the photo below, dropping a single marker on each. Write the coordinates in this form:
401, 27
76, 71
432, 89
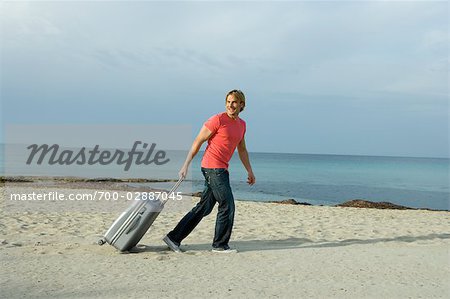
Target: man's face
233, 106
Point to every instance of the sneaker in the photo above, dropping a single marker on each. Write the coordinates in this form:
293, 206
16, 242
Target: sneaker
172, 245
225, 249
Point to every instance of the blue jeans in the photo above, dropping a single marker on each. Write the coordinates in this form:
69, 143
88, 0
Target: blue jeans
217, 189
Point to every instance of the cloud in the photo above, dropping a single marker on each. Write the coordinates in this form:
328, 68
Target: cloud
368, 55
435, 40
20, 20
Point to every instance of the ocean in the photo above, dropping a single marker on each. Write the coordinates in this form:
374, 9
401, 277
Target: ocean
317, 179
333, 179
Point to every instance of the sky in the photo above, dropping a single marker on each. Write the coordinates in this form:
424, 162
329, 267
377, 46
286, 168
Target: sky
350, 78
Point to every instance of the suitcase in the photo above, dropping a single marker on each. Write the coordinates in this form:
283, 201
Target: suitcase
134, 222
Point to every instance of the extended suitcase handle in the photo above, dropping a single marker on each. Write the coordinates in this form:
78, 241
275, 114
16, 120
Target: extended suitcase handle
175, 187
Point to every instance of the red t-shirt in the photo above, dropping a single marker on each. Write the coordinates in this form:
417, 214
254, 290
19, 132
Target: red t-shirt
226, 135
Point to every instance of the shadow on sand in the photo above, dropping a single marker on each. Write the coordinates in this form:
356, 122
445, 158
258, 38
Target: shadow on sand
289, 243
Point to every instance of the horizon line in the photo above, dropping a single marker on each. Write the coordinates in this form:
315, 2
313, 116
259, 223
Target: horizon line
332, 154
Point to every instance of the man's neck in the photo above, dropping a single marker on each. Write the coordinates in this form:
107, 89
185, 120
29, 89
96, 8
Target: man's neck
232, 116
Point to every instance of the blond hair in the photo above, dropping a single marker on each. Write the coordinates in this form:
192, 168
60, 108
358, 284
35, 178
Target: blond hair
239, 96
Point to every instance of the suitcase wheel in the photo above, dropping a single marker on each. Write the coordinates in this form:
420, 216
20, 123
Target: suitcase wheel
101, 241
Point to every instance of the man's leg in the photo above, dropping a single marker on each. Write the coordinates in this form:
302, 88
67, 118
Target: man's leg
221, 189
193, 217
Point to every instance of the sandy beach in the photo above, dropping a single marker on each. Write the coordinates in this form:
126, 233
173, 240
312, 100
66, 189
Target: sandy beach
285, 251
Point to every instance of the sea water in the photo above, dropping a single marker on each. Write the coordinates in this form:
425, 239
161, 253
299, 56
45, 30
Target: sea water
333, 179
316, 179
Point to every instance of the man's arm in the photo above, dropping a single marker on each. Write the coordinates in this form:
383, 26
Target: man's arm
202, 136
243, 155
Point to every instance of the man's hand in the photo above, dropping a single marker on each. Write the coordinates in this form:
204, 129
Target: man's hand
183, 172
251, 178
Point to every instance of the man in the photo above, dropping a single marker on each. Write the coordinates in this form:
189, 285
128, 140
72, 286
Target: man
224, 132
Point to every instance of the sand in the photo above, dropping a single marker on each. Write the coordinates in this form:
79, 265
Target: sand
285, 251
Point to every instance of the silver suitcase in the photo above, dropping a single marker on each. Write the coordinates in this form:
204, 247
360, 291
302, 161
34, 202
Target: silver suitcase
134, 222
